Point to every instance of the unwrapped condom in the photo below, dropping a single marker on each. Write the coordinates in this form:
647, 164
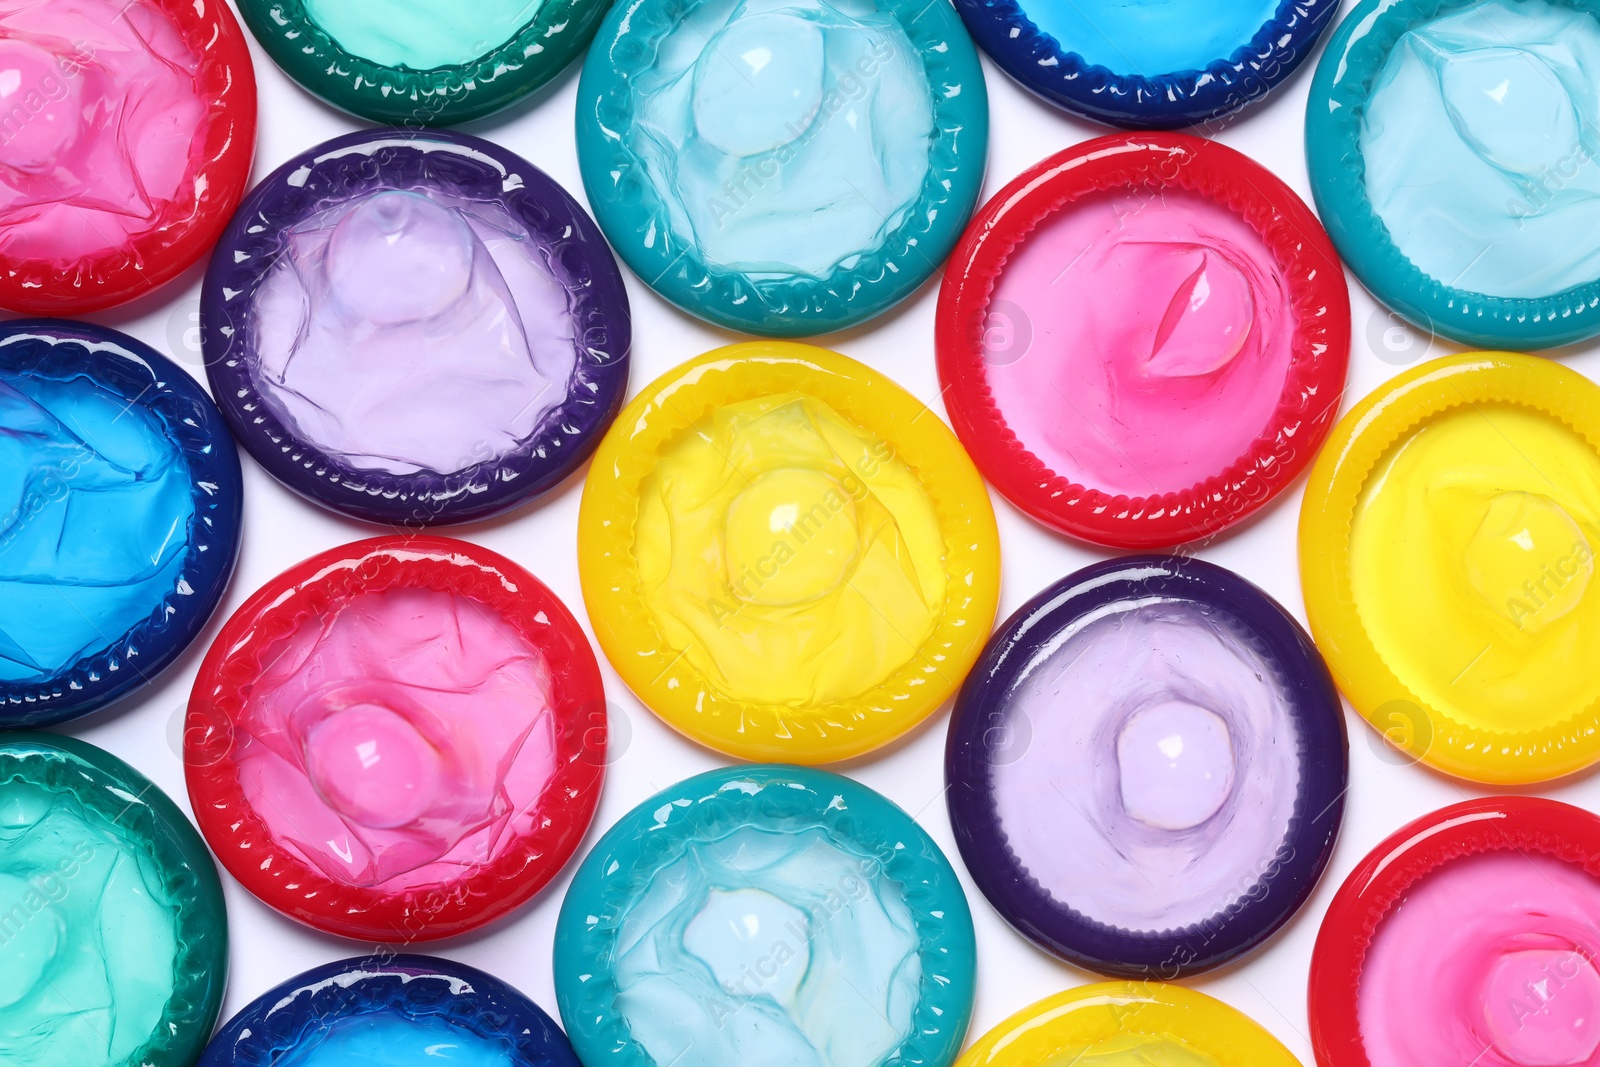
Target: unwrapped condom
114, 945
1146, 769
1447, 550
765, 914
785, 555
398, 740
783, 167
391, 1011
126, 133
120, 500
1143, 339
416, 328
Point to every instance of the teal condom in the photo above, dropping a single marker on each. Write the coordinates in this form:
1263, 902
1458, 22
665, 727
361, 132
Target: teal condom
422, 62
762, 915
782, 168
1451, 147
113, 935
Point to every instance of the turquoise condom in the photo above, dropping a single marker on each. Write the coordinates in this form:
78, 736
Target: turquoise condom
765, 914
113, 935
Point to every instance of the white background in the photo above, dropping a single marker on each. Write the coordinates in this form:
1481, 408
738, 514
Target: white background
280, 529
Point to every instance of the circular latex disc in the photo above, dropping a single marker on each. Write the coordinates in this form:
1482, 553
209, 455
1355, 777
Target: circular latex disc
788, 171
1147, 768
1129, 1022
770, 911
123, 493
1143, 339
351, 272
128, 143
1473, 217
1447, 553
399, 740
390, 1009
1498, 897
785, 555
116, 938
1101, 60
413, 63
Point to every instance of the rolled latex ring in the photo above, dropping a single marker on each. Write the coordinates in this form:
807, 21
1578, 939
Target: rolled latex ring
111, 914
785, 555
765, 911
1143, 339
123, 526
400, 739
1129, 1022
128, 136
1465, 491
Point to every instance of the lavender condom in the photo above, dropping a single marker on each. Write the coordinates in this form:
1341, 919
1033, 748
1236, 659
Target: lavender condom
415, 328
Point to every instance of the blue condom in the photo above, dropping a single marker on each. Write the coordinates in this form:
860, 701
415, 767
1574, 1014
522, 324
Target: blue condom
119, 517
783, 170
1149, 64
765, 914
391, 1011
1451, 146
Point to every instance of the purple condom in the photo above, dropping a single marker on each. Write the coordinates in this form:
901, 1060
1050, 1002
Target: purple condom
1147, 768
415, 328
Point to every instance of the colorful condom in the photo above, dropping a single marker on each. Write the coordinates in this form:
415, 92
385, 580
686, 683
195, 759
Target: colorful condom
1147, 768
785, 555
1465, 492
415, 328
126, 132
398, 740
114, 941
1128, 1024
391, 1011
1143, 339
1149, 64
417, 63
1489, 906
1449, 149
785, 169
765, 914
119, 517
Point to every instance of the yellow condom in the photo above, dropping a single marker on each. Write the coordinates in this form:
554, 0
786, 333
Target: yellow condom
1128, 1024
785, 555
1447, 549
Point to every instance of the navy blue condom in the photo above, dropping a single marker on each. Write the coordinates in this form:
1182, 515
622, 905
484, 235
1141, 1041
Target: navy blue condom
119, 517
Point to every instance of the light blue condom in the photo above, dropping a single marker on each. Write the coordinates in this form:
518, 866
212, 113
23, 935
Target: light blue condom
1453, 151
1152, 37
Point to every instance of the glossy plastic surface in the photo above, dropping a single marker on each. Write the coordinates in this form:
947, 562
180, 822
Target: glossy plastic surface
785, 169
785, 555
1488, 905
128, 134
414, 63
1128, 1024
413, 730
765, 914
1180, 302
1149, 64
391, 1011
1465, 492
1447, 144
115, 946
1146, 769
416, 328
121, 495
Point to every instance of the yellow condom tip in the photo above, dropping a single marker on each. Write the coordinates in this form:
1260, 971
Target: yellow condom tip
1128, 1024
785, 555
1447, 550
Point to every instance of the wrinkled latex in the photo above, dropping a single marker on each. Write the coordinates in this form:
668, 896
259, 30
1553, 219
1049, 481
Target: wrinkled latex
400, 740
406, 331
422, 34
1151, 37
392, 1039
96, 502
